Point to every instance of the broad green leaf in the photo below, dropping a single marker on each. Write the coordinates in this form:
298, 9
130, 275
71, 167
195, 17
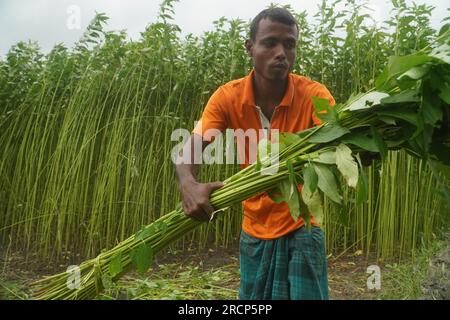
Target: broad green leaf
402, 97
445, 92
431, 109
403, 114
106, 281
441, 53
381, 80
313, 201
366, 101
288, 138
294, 199
328, 157
327, 182
388, 120
416, 72
379, 142
310, 178
441, 152
291, 194
328, 133
276, 196
347, 165
161, 226
401, 64
291, 197
145, 233
324, 111
362, 141
115, 266
142, 257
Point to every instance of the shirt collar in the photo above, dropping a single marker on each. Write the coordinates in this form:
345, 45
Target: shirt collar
248, 97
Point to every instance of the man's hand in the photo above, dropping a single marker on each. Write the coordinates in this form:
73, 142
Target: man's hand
195, 199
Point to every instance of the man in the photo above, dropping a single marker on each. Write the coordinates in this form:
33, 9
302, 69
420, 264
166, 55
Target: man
279, 259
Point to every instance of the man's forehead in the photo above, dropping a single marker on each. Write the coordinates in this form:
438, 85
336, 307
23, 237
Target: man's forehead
269, 28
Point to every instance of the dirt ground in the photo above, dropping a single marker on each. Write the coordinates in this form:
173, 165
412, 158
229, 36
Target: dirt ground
347, 273
437, 284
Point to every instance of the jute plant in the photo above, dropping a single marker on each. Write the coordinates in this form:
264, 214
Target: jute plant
409, 109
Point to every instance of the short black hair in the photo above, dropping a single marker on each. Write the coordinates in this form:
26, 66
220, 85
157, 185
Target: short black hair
275, 14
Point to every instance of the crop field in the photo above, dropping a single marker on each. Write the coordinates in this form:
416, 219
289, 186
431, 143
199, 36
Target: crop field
86, 146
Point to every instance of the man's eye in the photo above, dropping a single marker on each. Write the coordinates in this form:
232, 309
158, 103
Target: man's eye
269, 43
290, 45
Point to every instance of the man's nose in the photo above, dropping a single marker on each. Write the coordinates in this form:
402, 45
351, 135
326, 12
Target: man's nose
280, 53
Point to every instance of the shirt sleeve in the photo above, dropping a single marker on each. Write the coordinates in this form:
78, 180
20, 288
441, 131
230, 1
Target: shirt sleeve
214, 118
322, 92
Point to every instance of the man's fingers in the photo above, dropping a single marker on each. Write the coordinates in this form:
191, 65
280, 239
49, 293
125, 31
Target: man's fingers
215, 185
198, 213
208, 208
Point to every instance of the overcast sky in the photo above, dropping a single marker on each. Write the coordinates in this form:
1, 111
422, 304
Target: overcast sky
54, 21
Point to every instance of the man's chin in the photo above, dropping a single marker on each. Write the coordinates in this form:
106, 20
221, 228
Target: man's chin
279, 77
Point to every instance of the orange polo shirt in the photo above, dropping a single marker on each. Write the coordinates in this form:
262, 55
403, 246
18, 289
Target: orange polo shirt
233, 106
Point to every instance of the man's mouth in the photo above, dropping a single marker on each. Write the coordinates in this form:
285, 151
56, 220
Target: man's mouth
279, 66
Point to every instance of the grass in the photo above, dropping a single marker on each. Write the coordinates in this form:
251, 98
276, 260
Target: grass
12, 290
177, 281
404, 281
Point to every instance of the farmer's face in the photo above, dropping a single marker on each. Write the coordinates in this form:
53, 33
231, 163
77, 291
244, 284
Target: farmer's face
273, 50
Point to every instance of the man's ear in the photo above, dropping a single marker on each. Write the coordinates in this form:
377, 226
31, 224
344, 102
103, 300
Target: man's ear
249, 47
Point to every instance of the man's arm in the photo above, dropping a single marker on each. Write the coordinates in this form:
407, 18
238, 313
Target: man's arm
194, 195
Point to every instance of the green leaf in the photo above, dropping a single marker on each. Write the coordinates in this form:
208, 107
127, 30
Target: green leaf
328, 157
388, 120
288, 138
324, 111
327, 182
381, 80
402, 97
276, 196
142, 257
293, 198
115, 266
445, 92
401, 64
143, 234
106, 281
310, 178
403, 114
313, 201
160, 226
328, 133
416, 73
347, 165
441, 152
379, 142
441, 53
290, 197
362, 141
431, 109
366, 101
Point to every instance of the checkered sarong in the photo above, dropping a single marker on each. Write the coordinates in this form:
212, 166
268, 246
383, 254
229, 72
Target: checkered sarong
291, 267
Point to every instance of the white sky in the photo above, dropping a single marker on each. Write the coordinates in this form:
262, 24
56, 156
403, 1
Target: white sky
46, 20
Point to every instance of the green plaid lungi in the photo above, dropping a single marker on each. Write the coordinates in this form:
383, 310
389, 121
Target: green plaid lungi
291, 267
